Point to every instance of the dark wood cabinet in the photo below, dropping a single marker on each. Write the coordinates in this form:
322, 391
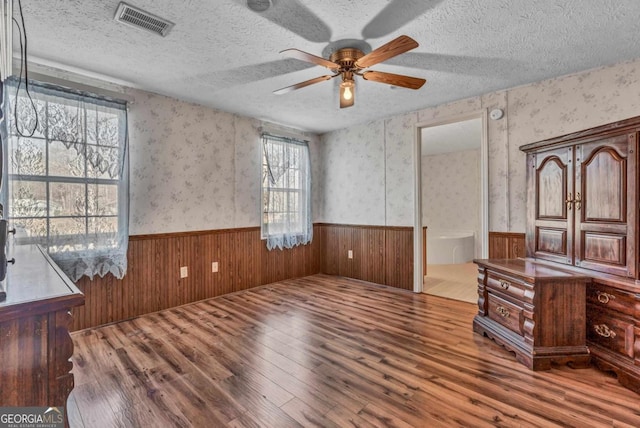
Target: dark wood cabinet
582, 217
613, 331
582, 204
35, 346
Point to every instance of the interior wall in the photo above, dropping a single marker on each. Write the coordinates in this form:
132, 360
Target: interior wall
561, 106
533, 112
195, 176
352, 178
195, 168
451, 192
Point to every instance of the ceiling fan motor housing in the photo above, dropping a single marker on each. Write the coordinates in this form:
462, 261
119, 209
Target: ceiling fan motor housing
346, 58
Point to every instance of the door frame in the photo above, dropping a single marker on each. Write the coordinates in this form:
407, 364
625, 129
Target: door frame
484, 188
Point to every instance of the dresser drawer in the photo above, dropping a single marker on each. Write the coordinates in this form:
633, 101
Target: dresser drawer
505, 313
610, 331
609, 298
505, 284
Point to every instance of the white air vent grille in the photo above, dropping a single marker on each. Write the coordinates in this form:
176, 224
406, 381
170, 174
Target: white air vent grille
142, 19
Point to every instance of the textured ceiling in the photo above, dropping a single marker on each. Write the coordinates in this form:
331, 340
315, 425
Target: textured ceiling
223, 55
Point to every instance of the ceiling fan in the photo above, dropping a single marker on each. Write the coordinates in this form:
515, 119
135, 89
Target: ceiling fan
350, 62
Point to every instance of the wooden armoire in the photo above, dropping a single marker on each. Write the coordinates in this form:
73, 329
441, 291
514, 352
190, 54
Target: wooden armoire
582, 218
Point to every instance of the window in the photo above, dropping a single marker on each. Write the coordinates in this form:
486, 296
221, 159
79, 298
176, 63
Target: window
286, 192
66, 181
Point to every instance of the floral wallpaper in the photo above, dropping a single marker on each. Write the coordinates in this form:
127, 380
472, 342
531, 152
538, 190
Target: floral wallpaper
561, 106
192, 167
498, 142
248, 171
533, 112
196, 168
353, 175
451, 191
399, 169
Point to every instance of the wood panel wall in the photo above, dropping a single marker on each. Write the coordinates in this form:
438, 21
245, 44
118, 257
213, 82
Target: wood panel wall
153, 278
506, 245
381, 254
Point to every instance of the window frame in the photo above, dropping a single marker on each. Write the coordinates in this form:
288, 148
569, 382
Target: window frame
299, 189
48, 180
91, 234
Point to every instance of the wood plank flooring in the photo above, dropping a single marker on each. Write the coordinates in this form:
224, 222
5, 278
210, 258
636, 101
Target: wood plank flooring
325, 351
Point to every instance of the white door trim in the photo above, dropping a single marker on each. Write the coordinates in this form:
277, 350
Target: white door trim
484, 189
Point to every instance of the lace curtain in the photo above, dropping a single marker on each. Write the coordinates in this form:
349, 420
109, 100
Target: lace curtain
286, 192
66, 186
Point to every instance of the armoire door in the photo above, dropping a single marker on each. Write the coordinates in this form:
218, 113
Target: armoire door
550, 192
605, 210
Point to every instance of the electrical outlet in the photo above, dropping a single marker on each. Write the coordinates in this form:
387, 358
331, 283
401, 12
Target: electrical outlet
184, 272
350, 254
214, 267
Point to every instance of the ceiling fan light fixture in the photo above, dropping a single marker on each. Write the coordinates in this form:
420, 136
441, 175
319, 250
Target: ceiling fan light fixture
347, 93
348, 62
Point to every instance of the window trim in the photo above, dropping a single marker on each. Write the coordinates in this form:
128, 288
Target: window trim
271, 138
101, 139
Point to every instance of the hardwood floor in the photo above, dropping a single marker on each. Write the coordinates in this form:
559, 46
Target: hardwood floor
325, 351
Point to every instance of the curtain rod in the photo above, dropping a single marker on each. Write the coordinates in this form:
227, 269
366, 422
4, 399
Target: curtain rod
80, 87
279, 131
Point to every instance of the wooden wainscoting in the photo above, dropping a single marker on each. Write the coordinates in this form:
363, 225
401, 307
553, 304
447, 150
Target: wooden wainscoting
506, 245
381, 254
153, 278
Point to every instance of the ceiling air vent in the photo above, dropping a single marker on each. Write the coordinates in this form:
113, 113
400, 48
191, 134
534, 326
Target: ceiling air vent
139, 18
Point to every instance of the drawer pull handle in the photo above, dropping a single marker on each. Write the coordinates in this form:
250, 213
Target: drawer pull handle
604, 331
502, 311
505, 284
604, 297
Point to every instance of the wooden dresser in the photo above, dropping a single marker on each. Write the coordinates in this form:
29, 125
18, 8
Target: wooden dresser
534, 310
35, 346
613, 327
582, 219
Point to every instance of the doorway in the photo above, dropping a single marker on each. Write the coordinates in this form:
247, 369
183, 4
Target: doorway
452, 205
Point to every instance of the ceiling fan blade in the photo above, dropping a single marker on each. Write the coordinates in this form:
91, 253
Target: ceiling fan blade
303, 84
394, 79
305, 56
395, 15
395, 47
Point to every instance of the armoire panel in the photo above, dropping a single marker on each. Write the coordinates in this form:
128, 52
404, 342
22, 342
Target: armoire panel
552, 179
604, 187
604, 248
552, 241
